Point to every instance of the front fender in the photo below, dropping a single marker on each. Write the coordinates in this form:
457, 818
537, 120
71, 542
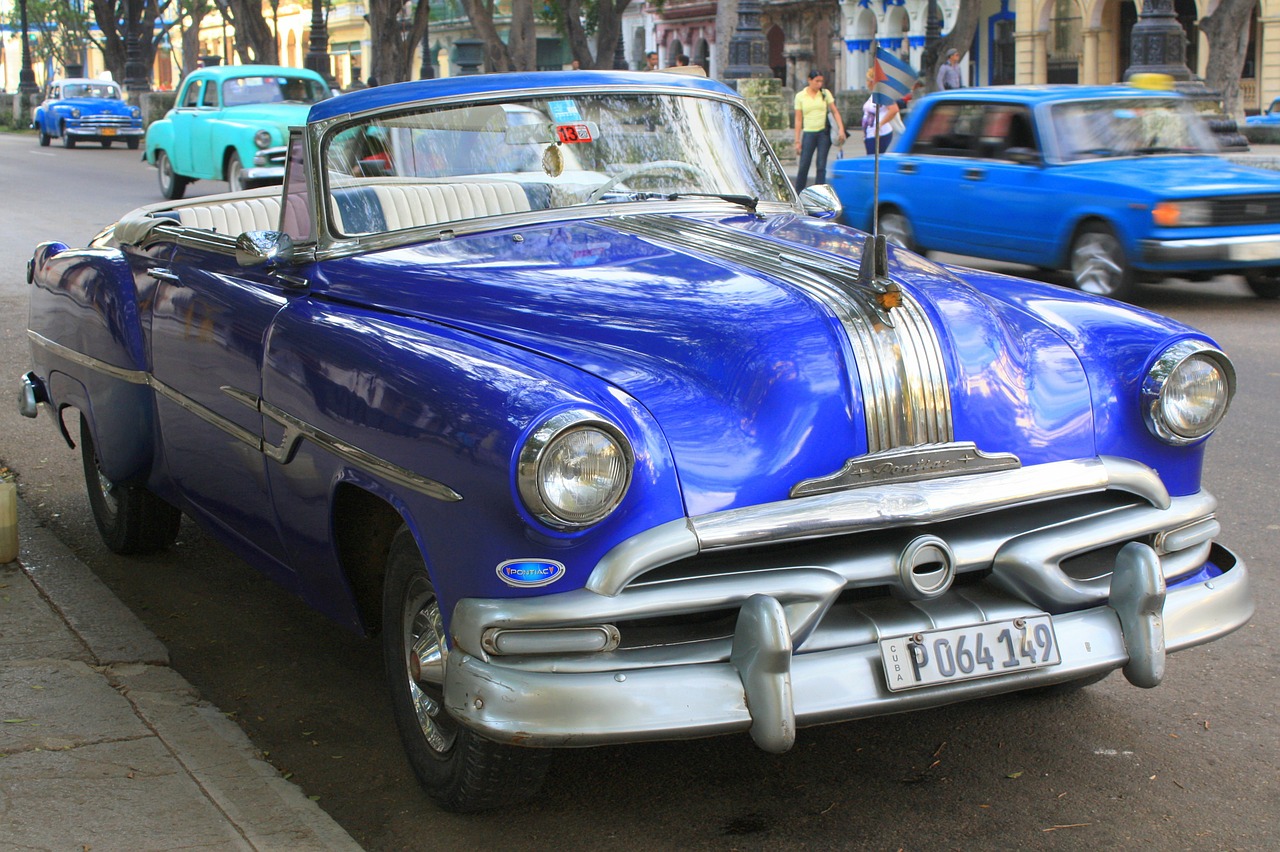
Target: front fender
159, 137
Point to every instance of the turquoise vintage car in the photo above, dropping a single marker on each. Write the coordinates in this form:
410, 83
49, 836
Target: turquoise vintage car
230, 123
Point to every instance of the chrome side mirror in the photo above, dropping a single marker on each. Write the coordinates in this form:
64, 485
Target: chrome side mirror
264, 248
820, 202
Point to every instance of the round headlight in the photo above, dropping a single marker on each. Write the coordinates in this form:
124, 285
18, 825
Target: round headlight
574, 470
1187, 392
262, 139
75, 113
135, 112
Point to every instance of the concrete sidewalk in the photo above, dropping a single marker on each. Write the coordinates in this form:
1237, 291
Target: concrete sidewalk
103, 746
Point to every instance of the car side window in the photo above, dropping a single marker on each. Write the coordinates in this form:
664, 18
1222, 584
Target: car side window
210, 96
1005, 126
191, 96
953, 129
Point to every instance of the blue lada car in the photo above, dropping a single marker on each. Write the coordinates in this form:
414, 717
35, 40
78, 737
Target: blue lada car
1115, 184
230, 123
551, 383
85, 110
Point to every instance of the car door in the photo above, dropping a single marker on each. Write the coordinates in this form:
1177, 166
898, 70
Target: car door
1004, 198
183, 118
209, 324
924, 182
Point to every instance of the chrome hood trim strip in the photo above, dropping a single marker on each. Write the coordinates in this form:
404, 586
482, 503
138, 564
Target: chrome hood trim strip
897, 356
871, 508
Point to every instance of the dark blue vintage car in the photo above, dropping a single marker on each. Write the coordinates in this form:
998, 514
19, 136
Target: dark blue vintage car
1116, 184
84, 110
553, 383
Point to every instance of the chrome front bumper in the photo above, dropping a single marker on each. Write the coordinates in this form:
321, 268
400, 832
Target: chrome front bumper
1244, 251
92, 132
804, 647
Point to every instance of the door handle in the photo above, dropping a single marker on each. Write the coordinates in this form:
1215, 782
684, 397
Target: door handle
161, 274
907, 169
975, 174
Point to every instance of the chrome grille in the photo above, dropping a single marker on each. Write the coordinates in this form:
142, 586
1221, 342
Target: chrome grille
897, 357
1259, 209
106, 121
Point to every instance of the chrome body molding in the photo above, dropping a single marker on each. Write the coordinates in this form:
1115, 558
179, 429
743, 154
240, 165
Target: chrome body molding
896, 355
728, 694
295, 429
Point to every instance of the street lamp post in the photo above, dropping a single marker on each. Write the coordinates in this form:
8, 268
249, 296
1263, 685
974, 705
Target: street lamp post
27, 75
135, 72
748, 50
1158, 44
428, 69
317, 58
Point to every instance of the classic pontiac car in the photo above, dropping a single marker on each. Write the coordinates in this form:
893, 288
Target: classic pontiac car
553, 383
1114, 183
84, 110
230, 123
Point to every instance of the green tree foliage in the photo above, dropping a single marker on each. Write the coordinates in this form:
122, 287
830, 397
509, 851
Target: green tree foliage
58, 29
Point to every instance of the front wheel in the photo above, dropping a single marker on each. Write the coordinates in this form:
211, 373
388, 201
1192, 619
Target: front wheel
458, 768
1098, 264
172, 184
132, 143
68, 141
129, 517
1265, 285
45, 138
235, 173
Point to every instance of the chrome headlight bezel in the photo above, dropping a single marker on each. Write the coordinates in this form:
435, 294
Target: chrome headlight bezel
263, 139
1184, 213
537, 461
1170, 378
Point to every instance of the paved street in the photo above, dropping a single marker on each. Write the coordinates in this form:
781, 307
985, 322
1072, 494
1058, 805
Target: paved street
1191, 765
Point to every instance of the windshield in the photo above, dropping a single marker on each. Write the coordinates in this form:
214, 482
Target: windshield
272, 90
105, 91
1088, 130
428, 166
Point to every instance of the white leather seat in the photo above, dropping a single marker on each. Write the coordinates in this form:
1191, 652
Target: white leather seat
233, 217
417, 204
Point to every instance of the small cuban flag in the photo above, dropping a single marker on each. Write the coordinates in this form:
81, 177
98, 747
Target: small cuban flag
893, 78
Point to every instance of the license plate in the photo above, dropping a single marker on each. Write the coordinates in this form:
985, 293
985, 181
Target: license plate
963, 653
108, 131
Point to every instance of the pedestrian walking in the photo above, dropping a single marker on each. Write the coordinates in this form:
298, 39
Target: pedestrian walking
816, 114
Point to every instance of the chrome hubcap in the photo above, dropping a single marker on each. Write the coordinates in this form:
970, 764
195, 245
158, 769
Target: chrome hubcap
1094, 264
425, 654
108, 489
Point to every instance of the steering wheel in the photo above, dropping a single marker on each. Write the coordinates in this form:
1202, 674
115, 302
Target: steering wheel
655, 166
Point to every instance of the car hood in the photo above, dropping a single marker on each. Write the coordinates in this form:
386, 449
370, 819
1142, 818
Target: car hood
748, 374
1183, 176
279, 115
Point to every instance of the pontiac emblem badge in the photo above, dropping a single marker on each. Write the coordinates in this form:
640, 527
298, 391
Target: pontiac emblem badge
912, 464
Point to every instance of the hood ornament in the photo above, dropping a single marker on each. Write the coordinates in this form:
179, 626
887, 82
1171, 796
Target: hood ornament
910, 464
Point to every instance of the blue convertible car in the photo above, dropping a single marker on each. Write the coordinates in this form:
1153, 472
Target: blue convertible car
553, 383
84, 110
1114, 183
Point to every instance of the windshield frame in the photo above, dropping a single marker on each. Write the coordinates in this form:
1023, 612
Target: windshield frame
331, 242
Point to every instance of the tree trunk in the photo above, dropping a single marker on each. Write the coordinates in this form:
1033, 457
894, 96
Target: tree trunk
496, 56
522, 39
191, 35
1227, 30
726, 23
255, 43
393, 41
960, 37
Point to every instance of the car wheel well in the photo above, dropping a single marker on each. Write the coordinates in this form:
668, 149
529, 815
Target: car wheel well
226, 160
364, 525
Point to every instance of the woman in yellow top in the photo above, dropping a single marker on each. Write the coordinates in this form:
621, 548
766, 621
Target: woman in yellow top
813, 105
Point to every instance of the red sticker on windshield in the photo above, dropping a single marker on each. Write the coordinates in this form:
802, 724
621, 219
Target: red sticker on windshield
573, 133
